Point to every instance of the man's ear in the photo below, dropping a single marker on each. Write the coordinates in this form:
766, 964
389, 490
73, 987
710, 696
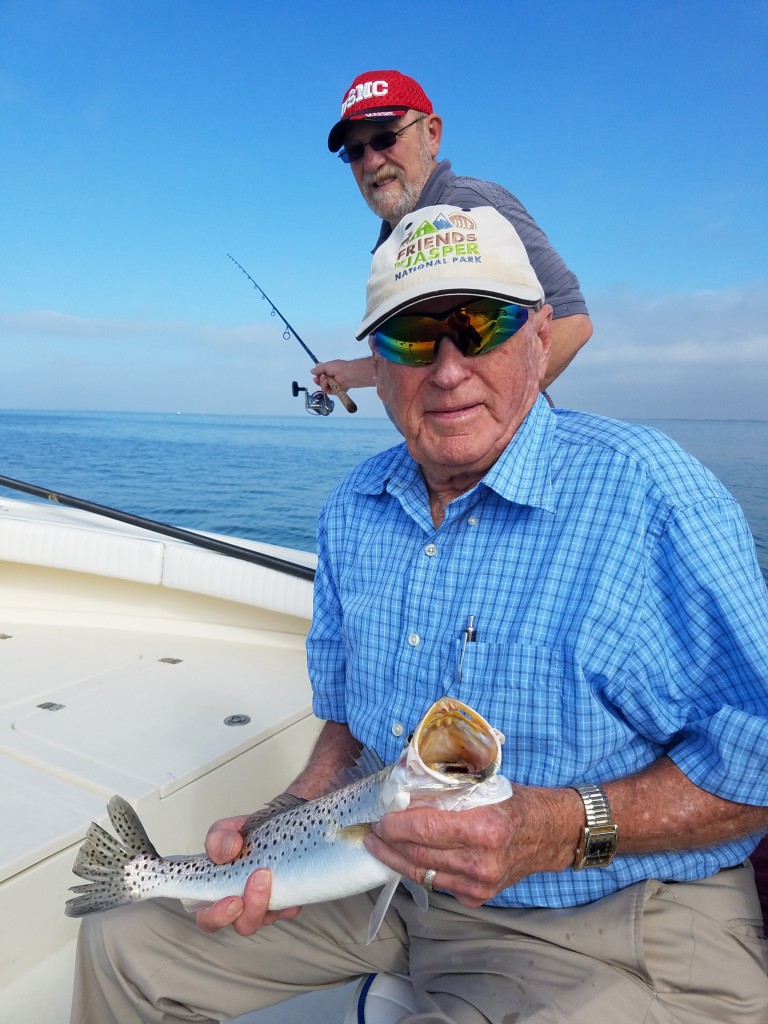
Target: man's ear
543, 327
434, 132
377, 381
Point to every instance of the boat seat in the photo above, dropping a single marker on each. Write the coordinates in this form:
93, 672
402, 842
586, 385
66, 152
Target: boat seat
381, 999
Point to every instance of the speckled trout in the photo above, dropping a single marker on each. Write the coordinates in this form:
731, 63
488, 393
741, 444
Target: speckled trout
314, 849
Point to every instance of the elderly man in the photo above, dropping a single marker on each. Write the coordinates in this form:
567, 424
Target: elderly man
389, 135
620, 642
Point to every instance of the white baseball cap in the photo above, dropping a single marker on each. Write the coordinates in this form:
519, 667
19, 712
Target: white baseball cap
444, 250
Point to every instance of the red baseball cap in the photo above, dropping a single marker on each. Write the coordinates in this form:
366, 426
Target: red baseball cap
379, 96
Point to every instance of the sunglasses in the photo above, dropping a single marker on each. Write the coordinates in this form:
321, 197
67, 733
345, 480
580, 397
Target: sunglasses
384, 140
474, 327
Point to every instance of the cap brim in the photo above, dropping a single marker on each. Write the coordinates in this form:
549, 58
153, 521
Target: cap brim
338, 132
524, 296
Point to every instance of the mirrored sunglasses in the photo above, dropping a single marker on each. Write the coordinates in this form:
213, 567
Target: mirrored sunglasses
474, 327
384, 140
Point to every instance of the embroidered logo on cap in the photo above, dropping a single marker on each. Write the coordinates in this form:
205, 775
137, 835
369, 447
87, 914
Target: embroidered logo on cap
451, 239
364, 91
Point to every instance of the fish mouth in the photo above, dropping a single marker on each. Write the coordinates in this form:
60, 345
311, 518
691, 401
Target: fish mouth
455, 744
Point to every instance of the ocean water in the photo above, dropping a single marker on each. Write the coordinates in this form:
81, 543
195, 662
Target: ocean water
266, 478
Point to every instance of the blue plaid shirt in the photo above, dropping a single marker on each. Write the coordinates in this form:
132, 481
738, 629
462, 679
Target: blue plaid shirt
620, 615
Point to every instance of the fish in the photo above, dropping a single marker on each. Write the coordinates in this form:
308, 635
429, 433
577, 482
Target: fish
313, 848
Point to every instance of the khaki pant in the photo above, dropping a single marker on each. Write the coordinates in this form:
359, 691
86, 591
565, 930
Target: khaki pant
654, 953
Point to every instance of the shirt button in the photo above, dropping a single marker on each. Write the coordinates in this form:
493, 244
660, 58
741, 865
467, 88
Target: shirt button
430, 549
473, 520
414, 639
398, 729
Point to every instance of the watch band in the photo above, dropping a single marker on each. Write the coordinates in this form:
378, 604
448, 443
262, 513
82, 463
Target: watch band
600, 836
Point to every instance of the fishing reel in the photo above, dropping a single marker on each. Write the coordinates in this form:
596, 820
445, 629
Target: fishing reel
316, 402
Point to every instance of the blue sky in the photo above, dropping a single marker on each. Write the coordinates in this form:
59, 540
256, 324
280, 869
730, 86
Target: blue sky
140, 142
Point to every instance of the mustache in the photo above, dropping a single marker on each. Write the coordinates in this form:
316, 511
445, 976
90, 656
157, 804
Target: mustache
381, 174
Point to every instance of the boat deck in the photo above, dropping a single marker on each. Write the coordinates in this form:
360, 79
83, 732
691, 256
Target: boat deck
137, 665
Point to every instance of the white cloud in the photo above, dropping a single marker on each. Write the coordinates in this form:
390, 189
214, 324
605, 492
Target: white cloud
55, 360
694, 355
50, 324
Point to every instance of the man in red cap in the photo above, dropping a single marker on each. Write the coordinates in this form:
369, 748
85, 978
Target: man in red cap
389, 135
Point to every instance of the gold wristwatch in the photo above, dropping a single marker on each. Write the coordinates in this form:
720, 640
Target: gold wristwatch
600, 836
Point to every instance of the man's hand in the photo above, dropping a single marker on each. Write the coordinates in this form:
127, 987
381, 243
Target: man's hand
335, 748
348, 373
477, 853
246, 913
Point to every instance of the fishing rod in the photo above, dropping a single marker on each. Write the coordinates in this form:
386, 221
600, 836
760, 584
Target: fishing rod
344, 398
304, 572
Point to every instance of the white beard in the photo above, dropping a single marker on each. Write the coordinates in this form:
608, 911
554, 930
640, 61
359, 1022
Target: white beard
393, 207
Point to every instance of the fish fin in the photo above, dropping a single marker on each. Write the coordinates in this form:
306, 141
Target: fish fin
367, 763
126, 823
279, 805
192, 906
355, 833
382, 905
102, 859
418, 892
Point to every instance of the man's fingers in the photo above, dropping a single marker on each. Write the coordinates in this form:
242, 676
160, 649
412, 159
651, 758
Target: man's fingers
255, 902
246, 913
224, 841
220, 915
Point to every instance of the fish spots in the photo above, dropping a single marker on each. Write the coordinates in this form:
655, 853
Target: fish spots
303, 842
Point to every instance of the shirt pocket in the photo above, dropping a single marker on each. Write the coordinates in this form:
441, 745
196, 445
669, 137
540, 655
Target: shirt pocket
518, 688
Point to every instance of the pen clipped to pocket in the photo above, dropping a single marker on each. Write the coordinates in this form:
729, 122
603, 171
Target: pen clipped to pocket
470, 637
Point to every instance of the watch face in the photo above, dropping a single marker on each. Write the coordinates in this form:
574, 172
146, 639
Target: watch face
600, 846
600, 838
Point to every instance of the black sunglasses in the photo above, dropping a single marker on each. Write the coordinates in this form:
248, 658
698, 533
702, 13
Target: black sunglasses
384, 140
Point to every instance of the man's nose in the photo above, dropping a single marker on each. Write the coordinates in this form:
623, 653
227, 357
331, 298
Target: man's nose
451, 366
372, 159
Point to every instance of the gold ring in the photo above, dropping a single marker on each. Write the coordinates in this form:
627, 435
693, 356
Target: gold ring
429, 877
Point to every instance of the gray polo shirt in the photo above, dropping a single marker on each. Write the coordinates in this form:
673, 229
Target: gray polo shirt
561, 286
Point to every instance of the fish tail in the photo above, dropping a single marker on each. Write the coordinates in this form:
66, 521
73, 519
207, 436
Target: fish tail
103, 860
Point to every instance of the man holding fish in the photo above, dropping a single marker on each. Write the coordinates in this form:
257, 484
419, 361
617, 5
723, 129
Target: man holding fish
592, 592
